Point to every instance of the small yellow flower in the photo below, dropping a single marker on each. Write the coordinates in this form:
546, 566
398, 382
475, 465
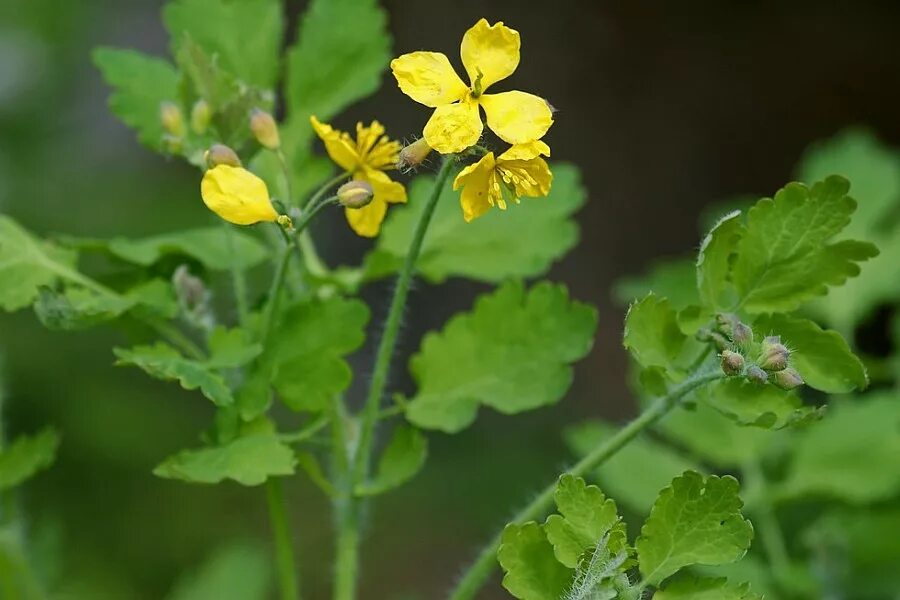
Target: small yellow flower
365, 159
489, 53
520, 171
237, 195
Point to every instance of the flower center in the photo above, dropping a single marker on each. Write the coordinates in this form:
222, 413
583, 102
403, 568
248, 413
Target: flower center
476, 85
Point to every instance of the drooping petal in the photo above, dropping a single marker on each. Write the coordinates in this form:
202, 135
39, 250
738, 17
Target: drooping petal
454, 127
517, 117
384, 188
237, 195
339, 146
531, 178
491, 51
478, 184
366, 221
526, 151
428, 78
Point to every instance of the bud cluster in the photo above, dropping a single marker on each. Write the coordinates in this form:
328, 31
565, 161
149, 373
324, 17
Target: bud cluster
194, 298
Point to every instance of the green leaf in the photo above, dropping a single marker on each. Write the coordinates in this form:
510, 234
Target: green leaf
823, 358
245, 36
165, 362
234, 572
512, 352
403, 457
208, 245
248, 460
673, 279
695, 521
231, 348
749, 403
586, 517
140, 85
78, 308
786, 255
531, 569
852, 455
26, 456
714, 263
522, 241
705, 588
652, 334
341, 53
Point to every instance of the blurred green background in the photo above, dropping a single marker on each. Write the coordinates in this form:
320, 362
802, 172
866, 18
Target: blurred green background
666, 109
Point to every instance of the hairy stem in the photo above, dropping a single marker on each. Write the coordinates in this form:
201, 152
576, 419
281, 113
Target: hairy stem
475, 576
288, 582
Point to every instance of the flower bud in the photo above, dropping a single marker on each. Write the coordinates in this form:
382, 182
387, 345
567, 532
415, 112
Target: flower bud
237, 195
355, 194
220, 154
413, 155
265, 129
787, 379
707, 335
729, 324
171, 118
757, 375
286, 222
732, 363
201, 114
190, 290
774, 355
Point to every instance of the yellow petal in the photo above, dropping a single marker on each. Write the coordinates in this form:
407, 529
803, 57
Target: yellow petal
366, 221
383, 187
428, 78
374, 148
526, 151
526, 177
453, 127
339, 146
517, 117
479, 188
237, 195
491, 51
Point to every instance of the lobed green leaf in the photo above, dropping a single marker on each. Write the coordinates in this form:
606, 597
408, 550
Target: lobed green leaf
403, 457
214, 247
705, 588
26, 456
531, 569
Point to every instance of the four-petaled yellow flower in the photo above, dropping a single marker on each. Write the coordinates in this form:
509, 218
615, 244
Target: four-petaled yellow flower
520, 171
489, 53
365, 159
237, 195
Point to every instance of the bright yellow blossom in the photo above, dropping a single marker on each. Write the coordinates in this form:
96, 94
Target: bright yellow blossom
489, 53
365, 159
237, 195
520, 171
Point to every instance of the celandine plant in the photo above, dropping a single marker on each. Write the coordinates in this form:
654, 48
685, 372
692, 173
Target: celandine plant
739, 349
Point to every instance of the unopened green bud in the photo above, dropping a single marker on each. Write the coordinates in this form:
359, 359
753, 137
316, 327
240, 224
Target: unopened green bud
264, 128
732, 363
774, 355
355, 194
286, 222
787, 379
201, 114
739, 332
757, 375
413, 155
220, 154
171, 118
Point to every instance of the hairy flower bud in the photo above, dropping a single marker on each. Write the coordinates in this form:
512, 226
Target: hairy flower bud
707, 335
194, 298
413, 155
220, 154
787, 379
171, 118
774, 355
264, 129
355, 194
739, 332
201, 114
757, 375
732, 363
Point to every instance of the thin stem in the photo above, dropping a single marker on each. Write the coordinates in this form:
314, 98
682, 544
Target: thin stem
310, 213
475, 576
275, 291
288, 581
175, 337
326, 187
238, 281
306, 432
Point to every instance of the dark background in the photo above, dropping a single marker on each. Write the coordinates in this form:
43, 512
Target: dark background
665, 108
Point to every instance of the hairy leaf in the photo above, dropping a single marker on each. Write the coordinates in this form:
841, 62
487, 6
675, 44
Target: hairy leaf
214, 247
403, 457
532, 571
652, 334
248, 460
714, 263
705, 588
26, 456
512, 352
749, 403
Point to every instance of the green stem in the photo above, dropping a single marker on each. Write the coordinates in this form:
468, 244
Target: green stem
326, 187
175, 337
305, 433
238, 281
275, 291
476, 575
772, 538
284, 553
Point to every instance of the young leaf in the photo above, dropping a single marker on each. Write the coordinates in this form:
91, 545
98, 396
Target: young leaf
210, 246
695, 521
705, 588
714, 263
248, 460
786, 255
652, 334
231, 348
140, 85
244, 36
823, 358
522, 241
27, 264
403, 457
673, 279
165, 362
512, 352
749, 403
235, 572
532, 571
27, 455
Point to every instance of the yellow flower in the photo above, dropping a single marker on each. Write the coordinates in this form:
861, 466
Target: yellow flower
520, 171
237, 195
489, 53
365, 159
